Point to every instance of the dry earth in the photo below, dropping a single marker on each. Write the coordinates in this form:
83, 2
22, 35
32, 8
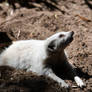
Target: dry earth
39, 19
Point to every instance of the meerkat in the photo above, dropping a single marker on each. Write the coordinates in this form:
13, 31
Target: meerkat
39, 56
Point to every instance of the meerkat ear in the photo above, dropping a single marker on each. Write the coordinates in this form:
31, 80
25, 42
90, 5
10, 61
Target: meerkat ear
52, 46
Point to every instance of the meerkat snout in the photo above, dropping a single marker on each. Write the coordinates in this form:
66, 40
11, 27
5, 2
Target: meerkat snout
72, 33
70, 37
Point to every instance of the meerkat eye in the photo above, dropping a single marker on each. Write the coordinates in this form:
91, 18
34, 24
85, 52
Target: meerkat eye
61, 35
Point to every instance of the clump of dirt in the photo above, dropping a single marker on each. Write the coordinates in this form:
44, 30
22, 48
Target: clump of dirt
47, 18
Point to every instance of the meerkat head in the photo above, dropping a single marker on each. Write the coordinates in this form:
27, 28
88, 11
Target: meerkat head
59, 41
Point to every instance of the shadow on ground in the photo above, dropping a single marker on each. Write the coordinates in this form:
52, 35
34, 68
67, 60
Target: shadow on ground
50, 4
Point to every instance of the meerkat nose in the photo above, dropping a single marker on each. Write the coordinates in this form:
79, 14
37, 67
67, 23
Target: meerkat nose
72, 33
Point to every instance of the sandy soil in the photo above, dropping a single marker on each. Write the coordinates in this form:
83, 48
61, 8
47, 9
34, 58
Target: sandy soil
39, 20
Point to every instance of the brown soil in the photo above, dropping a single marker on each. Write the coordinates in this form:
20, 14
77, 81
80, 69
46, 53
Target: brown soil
39, 19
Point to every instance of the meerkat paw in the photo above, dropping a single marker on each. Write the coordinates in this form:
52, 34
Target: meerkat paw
79, 82
65, 85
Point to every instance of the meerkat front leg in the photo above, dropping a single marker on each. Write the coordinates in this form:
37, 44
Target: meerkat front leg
52, 75
73, 74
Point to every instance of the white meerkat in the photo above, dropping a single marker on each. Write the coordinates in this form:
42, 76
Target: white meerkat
40, 56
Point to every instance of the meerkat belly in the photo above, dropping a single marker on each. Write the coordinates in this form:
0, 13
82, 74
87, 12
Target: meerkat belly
37, 68
22, 60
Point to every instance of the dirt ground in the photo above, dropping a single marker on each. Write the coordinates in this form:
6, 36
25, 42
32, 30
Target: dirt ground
38, 19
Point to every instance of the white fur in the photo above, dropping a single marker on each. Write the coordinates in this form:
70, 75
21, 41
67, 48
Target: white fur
79, 81
31, 55
25, 55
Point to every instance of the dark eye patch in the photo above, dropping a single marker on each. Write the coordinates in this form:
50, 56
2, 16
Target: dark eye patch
61, 35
